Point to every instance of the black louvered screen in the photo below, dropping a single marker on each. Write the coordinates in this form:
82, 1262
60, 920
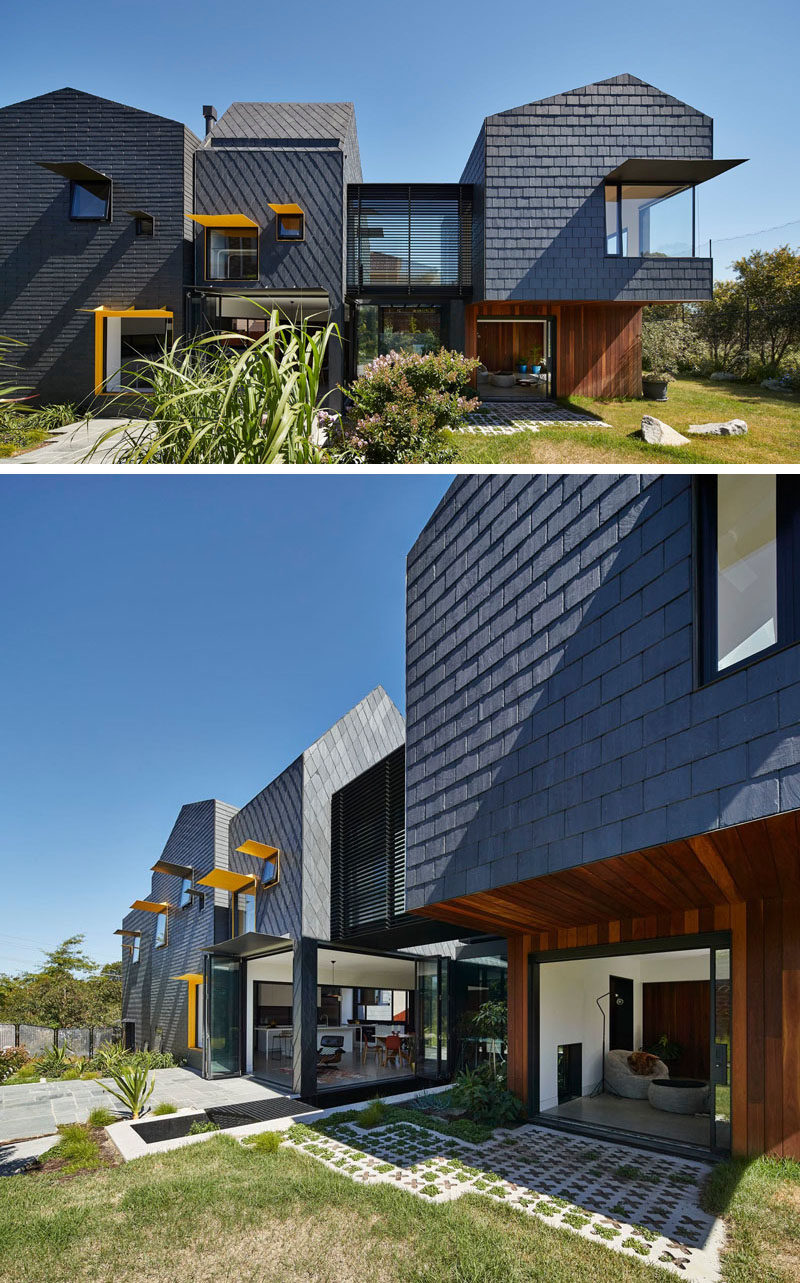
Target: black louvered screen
409, 238
368, 850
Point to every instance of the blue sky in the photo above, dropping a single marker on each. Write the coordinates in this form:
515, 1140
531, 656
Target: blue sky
167, 639
424, 73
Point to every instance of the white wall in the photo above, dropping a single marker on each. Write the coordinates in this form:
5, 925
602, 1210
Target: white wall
568, 1011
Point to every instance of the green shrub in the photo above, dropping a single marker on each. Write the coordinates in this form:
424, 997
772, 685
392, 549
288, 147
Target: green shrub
77, 1149
374, 1115
132, 1088
109, 1055
401, 406
151, 1059
101, 1117
205, 403
485, 1099
55, 1062
197, 1128
165, 1107
13, 1060
265, 1142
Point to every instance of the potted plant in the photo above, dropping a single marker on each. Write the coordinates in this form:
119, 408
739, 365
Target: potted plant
654, 385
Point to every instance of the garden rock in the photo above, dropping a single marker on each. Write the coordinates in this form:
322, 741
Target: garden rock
722, 377
730, 428
654, 432
774, 385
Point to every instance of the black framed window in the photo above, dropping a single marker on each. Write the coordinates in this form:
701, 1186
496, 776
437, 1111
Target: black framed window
161, 937
232, 255
655, 220
145, 225
290, 227
90, 201
749, 563
185, 898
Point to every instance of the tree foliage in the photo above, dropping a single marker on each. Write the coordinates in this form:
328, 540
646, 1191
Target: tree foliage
68, 991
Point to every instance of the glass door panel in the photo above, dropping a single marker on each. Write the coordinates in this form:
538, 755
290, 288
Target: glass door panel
720, 1092
222, 1053
432, 1017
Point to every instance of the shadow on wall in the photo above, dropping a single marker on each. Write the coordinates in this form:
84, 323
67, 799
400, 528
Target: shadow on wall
603, 747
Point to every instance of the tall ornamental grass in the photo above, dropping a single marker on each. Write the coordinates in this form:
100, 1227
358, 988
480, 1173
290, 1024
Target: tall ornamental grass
203, 403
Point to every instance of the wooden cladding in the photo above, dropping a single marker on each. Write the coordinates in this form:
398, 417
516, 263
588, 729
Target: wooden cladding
598, 345
681, 1009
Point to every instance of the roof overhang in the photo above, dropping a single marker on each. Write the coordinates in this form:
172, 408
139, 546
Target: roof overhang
223, 220
227, 880
250, 944
259, 849
286, 209
175, 870
151, 906
659, 170
74, 169
123, 931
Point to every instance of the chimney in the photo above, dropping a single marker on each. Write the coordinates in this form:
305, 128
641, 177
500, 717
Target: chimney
209, 115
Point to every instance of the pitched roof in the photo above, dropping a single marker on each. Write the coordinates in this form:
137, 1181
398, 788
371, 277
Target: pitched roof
68, 94
626, 79
286, 121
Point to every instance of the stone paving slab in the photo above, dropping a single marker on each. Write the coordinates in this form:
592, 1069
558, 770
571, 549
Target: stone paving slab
70, 445
637, 1203
504, 418
16, 1158
32, 1109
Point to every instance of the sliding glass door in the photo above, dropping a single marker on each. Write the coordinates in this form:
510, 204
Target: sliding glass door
433, 976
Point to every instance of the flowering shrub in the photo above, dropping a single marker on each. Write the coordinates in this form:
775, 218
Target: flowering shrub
401, 405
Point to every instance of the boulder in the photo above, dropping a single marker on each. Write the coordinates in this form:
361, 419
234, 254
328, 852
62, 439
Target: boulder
774, 385
654, 432
722, 377
730, 428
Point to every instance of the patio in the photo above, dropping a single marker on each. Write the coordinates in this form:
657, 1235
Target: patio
36, 1109
505, 418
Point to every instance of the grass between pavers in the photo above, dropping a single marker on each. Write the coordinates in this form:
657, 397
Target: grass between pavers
223, 1211
772, 418
760, 1201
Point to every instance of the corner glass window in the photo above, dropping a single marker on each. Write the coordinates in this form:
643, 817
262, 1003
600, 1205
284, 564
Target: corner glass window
650, 220
184, 898
232, 255
160, 938
134, 948
130, 342
89, 201
290, 227
747, 567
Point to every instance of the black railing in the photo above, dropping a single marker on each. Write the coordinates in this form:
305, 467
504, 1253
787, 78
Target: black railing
409, 238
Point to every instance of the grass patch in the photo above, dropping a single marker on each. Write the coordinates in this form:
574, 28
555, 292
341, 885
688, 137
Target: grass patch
139, 1222
166, 1107
78, 1150
264, 1142
760, 1201
463, 1128
772, 419
102, 1117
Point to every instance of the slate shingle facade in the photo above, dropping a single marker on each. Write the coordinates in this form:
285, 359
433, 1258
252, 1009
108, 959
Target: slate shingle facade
554, 715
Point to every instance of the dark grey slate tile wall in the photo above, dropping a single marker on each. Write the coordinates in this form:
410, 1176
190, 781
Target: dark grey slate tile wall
360, 739
244, 180
51, 268
544, 216
475, 173
275, 817
553, 717
151, 996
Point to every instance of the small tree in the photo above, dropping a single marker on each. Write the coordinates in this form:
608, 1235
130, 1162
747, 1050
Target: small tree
770, 282
719, 323
490, 1021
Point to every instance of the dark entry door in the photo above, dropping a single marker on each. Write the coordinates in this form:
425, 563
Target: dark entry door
222, 1041
620, 1024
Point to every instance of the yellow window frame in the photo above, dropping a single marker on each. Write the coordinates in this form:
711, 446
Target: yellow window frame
100, 315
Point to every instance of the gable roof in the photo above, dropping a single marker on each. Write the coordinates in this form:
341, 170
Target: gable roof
621, 81
285, 121
68, 94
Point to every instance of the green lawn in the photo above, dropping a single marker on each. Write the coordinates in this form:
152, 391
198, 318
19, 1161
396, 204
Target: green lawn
219, 1211
773, 420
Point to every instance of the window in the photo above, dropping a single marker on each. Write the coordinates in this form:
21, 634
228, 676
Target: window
145, 225
184, 897
243, 914
134, 949
749, 534
645, 219
90, 201
197, 998
290, 227
232, 255
160, 938
123, 343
